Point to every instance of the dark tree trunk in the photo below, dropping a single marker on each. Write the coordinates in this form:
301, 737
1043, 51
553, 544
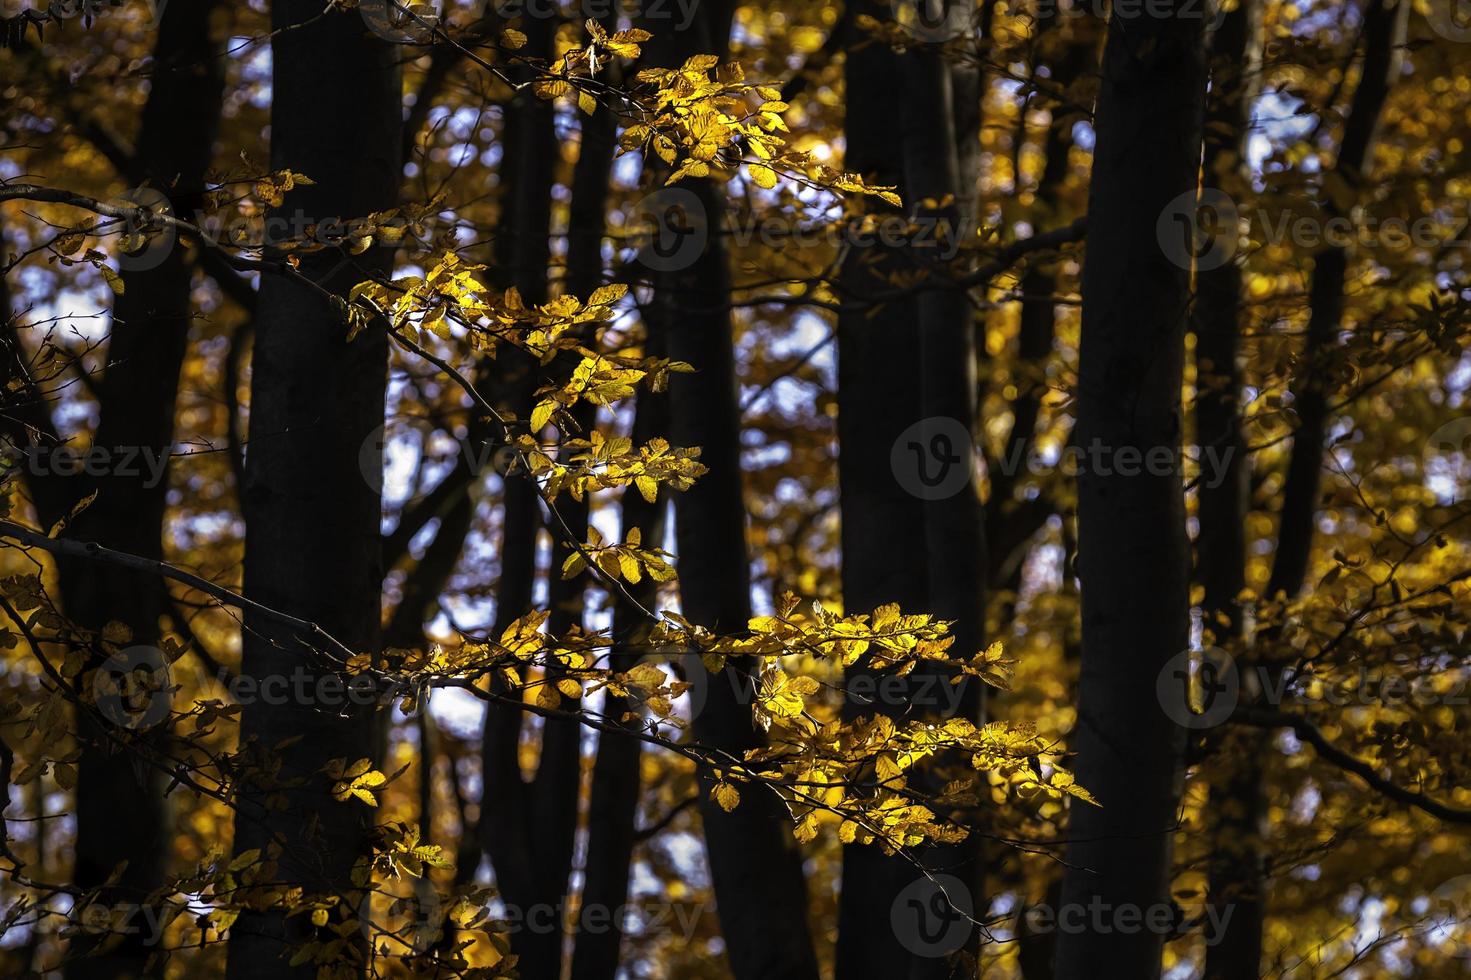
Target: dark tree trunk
528, 826
954, 540
312, 540
120, 809
755, 865
1239, 866
613, 801
1385, 24
1236, 805
1011, 524
1133, 558
883, 522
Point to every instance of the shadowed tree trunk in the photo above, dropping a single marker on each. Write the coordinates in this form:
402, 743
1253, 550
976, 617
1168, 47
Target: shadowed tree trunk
120, 809
938, 194
1037, 330
755, 865
883, 522
1011, 524
1224, 497
613, 802
1133, 559
528, 825
312, 539
1385, 24
1240, 866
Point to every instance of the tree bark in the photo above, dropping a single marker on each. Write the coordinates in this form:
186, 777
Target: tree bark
312, 539
1133, 557
1239, 867
614, 797
1385, 25
755, 865
883, 523
955, 547
121, 813
1236, 877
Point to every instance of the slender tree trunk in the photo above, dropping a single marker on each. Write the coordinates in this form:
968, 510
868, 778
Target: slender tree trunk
556, 787
883, 522
755, 865
1239, 866
120, 809
312, 539
613, 802
1236, 873
1133, 557
954, 524
529, 832
1385, 24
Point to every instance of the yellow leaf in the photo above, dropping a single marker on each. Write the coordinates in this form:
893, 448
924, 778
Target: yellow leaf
762, 176
727, 796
